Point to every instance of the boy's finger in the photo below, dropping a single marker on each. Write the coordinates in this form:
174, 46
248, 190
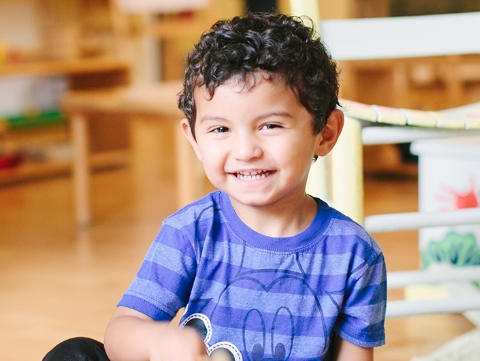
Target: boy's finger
218, 355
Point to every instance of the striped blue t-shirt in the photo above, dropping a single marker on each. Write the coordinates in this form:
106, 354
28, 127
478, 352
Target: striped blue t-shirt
261, 297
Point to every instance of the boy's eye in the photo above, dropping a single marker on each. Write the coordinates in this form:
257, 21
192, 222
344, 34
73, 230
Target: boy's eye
220, 130
271, 126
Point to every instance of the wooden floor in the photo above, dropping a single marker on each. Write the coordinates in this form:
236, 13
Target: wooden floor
58, 282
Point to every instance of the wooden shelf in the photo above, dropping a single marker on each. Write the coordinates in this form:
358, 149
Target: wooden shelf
33, 171
74, 66
30, 171
61, 25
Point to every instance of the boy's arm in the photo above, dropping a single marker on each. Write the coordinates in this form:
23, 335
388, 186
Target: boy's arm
132, 336
346, 351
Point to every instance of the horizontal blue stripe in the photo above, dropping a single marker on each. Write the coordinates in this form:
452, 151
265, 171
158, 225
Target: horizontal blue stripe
145, 307
165, 279
157, 296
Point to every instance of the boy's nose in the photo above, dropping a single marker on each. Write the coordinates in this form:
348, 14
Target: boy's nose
246, 147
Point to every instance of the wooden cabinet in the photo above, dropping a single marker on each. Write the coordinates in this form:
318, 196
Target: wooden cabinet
178, 32
77, 44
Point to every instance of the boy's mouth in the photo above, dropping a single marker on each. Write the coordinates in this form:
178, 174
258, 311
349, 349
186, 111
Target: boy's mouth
253, 175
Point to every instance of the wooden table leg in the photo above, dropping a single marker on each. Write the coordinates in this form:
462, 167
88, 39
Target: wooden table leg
81, 170
189, 172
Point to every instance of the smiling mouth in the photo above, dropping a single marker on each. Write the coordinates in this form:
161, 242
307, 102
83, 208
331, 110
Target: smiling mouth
253, 175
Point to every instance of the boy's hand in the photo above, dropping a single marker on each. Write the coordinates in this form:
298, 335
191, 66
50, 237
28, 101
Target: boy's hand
132, 336
179, 345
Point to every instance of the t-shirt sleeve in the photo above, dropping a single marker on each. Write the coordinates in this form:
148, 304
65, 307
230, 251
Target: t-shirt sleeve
163, 283
362, 318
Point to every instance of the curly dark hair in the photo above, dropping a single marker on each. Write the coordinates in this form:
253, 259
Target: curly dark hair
273, 43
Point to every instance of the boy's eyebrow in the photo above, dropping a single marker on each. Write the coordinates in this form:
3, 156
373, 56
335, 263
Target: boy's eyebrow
275, 113
208, 117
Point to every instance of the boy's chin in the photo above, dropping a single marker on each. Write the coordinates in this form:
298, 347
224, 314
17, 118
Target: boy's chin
250, 200
259, 200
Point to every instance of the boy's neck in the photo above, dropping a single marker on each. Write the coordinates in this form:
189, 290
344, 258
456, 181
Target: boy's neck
283, 219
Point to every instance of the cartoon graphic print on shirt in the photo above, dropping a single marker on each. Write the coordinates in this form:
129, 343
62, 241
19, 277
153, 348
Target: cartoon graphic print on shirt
276, 321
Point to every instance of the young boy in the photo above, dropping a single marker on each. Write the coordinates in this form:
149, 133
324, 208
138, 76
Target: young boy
264, 271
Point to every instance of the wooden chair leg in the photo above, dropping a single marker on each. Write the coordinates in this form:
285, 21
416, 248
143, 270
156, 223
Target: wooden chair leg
81, 170
347, 171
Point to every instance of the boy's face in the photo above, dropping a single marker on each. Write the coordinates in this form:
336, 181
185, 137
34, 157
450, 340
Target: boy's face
256, 143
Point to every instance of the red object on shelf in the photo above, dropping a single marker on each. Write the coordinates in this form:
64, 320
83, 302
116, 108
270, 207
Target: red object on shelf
11, 160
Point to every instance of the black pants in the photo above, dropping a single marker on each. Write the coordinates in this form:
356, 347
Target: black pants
86, 349
77, 349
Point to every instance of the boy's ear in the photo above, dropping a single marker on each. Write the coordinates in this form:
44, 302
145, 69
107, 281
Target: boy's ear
330, 133
187, 132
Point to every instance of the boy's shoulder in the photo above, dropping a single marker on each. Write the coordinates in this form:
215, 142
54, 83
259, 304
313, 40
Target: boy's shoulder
353, 234
202, 209
344, 225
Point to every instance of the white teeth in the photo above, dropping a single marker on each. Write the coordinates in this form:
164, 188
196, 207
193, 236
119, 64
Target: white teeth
253, 175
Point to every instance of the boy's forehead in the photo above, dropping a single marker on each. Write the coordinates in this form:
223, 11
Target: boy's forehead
242, 82
265, 97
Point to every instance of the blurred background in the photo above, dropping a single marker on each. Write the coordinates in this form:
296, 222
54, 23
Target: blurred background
49, 47
59, 281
